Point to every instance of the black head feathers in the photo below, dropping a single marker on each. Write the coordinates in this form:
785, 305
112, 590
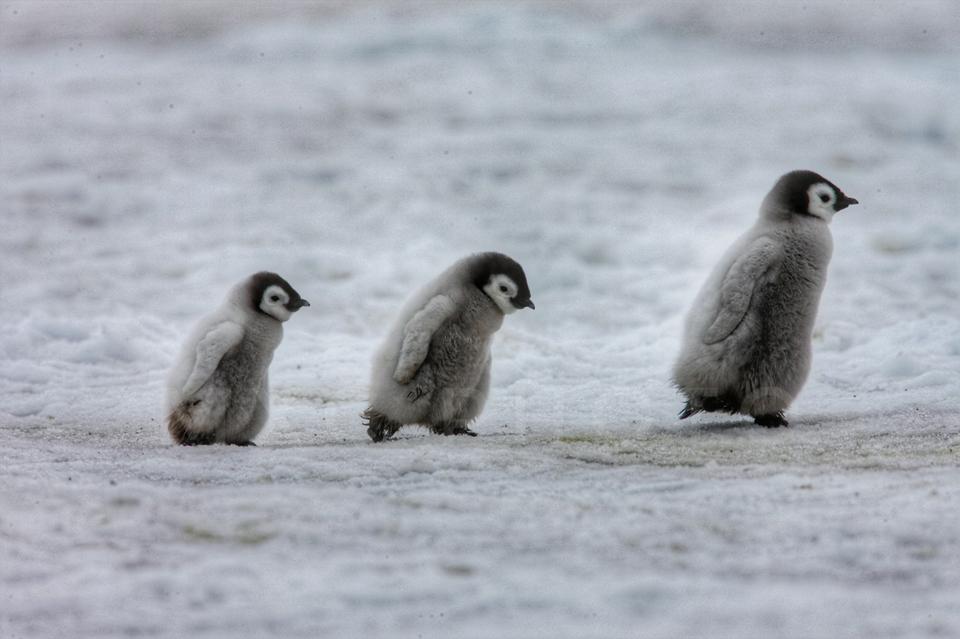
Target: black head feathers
486, 265
793, 191
260, 282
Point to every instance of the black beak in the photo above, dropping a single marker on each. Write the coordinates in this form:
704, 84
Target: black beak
296, 306
844, 202
527, 303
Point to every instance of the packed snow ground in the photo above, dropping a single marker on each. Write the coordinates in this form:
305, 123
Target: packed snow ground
151, 155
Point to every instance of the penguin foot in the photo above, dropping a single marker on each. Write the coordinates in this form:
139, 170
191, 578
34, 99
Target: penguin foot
197, 439
726, 403
186, 438
379, 426
775, 420
452, 428
249, 442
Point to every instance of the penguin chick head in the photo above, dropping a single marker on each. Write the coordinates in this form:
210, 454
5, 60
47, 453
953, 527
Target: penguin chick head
271, 294
806, 193
502, 280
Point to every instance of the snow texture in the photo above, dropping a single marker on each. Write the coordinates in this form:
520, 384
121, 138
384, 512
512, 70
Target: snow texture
153, 154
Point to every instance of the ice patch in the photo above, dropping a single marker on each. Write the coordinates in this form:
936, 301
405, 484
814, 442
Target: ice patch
901, 365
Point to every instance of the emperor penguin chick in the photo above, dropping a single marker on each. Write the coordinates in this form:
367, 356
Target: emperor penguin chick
746, 346
218, 390
434, 367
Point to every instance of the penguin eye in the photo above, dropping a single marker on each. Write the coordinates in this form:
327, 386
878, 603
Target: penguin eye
824, 198
274, 298
503, 289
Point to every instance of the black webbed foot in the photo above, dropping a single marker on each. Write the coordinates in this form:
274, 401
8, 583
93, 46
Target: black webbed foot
726, 403
774, 420
197, 439
379, 426
452, 428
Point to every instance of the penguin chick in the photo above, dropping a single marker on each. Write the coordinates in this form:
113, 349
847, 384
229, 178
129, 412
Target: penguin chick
434, 367
746, 346
218, 389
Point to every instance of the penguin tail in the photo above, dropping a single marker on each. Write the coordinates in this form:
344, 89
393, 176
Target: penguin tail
180, 425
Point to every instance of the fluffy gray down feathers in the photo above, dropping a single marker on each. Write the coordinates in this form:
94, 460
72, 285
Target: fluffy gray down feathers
746, 345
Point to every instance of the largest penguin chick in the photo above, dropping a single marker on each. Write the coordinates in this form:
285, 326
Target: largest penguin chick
434, 367
218, 390
746, 346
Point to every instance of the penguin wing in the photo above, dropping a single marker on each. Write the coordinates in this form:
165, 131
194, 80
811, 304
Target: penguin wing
417, 335
210, 350
747, 273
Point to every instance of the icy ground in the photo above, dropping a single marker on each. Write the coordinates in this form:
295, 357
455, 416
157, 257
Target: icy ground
151, 155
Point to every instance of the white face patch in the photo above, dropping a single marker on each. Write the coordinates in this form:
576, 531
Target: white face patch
821, 199
501, 289
273, 303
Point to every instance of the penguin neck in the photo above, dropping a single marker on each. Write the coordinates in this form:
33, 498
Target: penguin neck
264, 323
257, 324
483, 311
808, 235
773, 212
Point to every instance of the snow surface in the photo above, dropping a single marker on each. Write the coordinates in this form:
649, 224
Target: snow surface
153, 154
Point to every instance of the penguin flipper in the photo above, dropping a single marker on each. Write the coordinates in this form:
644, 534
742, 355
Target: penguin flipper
746, 275
417, 335
210, 350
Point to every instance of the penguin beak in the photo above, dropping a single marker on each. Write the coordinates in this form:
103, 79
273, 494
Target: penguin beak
527, 303
296, 306
844, 202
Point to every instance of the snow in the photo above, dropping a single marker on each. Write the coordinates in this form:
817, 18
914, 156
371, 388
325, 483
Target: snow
153, 154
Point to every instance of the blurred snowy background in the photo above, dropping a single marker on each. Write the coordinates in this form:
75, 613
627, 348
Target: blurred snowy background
151, 154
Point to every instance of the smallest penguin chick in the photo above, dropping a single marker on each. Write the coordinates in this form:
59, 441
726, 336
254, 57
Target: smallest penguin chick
218, 391
434, 367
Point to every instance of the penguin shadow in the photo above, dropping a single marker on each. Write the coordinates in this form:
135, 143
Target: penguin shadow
796, 423
716, 426
433, 436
